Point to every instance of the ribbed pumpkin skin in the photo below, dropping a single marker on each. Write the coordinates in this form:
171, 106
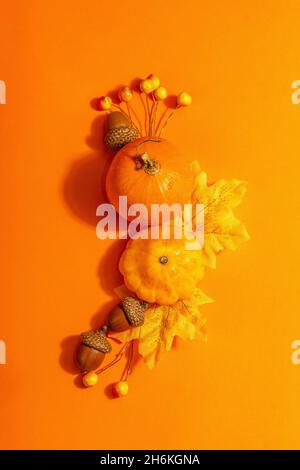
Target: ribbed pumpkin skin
172, 184
156, 282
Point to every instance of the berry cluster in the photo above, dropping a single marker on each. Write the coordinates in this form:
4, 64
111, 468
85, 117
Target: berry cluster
153, 92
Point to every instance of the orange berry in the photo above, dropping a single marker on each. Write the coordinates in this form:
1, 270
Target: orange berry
105, 102
184, 99
121, 388
161, 93
125, 94
154, 80
90, 379
146, 86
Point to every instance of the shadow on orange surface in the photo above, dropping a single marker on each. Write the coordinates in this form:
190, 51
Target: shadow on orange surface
99, 318
108, 271
67, 358
84, 184
83, 191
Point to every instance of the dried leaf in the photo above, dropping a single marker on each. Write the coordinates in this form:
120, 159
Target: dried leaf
163, 323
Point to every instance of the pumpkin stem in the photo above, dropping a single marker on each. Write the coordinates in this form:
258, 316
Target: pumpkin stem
144, 162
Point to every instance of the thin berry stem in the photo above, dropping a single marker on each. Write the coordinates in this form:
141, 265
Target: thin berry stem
117, 358
160, 120
145, 112
148, 112
139, 124
127, 369
167, 120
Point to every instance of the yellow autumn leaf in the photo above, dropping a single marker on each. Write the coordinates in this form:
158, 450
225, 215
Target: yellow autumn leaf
163, 323
222, 230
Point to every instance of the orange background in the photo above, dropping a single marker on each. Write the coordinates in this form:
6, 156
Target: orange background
238, 60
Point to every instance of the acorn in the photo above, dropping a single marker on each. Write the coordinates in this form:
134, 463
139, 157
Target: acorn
92, 350
120, 131
130, 313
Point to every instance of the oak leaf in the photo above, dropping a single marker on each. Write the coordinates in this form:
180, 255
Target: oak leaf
162, 323
222, 229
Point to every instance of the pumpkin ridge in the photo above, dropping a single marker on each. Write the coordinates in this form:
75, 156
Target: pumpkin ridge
170, 185
161, 283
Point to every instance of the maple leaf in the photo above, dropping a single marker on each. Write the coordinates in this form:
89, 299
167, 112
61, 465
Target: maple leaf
222, 230
163, 323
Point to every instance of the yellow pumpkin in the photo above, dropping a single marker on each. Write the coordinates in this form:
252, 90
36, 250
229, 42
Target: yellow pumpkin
161, 271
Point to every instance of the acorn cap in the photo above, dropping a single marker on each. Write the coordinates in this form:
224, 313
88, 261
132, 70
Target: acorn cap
134, 310
96, 340
117, 137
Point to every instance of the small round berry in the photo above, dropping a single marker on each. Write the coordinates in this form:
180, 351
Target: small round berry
121, 388
90, 379
154, 80
184, 99
125, 94
105, 102
161, 93
146, 86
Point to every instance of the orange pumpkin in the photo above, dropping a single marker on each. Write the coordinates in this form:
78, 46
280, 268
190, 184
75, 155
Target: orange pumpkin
149, 171
161, 271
